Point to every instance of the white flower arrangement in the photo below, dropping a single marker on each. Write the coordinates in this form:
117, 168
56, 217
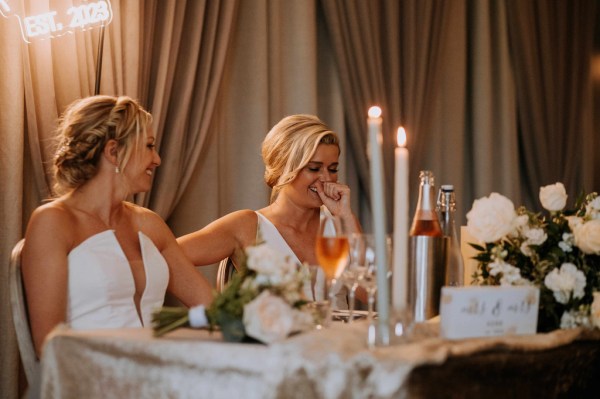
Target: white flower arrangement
558, 252
262, 302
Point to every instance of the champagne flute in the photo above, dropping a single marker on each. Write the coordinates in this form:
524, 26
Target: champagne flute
354, 271
368, 278
332, 250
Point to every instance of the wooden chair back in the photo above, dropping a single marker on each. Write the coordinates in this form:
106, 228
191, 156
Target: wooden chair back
225, 272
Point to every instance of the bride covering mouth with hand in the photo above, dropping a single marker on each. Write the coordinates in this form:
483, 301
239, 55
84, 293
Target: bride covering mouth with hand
301, 157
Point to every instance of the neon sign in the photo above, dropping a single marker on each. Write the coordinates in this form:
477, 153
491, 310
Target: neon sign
54, 23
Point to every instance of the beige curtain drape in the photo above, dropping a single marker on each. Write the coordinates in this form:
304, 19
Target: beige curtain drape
40, 77
190, 43
490, 148
12, 150
551, 44
169, 55
403, 56
433, 77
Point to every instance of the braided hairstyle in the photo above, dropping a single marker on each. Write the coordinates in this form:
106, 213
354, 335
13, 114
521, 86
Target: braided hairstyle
290, 145
85, 128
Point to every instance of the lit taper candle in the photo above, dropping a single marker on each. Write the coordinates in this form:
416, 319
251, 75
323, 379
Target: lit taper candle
400, 274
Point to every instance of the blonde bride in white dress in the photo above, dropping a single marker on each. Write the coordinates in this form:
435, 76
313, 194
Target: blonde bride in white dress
301, 157
91, 259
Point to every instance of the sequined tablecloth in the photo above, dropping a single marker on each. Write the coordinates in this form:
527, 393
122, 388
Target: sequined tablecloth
329, 363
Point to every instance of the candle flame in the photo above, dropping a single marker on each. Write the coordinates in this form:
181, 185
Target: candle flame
374, 112
401, 137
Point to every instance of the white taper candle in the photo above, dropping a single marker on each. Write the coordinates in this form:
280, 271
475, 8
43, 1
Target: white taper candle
379, 226
400, 274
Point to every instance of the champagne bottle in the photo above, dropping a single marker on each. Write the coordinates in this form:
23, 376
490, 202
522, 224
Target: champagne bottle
446, 206
426, 262
425, 221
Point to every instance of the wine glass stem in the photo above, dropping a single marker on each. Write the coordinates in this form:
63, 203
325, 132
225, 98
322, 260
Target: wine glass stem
371, 303
330, 295
351, 302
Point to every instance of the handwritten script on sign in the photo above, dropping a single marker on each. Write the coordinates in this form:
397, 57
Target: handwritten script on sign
64, 17
468, 312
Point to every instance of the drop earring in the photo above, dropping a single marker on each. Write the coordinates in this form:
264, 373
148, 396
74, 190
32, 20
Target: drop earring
117, 170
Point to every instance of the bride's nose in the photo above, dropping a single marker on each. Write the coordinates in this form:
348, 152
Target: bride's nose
156, 160
325, 176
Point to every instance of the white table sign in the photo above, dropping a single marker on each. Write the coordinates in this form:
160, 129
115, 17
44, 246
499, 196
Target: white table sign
468, 312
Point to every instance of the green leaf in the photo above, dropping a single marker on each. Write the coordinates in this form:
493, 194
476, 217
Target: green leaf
232, 327
476, 246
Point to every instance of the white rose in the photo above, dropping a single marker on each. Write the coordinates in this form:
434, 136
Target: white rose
566, 281
553, 197
510, 275
263, 259
574, 319
268, 318
271, 266
587, 236
491, 218
567, 321
567, 242
592, 209
536, 236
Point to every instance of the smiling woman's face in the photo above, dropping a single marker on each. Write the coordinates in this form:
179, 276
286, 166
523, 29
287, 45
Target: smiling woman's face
323, 167
143, 163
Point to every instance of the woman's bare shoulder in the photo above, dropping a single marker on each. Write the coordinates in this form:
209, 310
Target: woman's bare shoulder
141, 213
241, 223
51, 222
52, 213
242, 216
150, 223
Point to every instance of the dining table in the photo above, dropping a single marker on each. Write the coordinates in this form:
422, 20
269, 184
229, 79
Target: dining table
332, 362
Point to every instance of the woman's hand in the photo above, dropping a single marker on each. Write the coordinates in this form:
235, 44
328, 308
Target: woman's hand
336, 197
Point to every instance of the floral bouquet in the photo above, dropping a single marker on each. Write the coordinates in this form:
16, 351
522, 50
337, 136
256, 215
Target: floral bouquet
262, 302
557, 251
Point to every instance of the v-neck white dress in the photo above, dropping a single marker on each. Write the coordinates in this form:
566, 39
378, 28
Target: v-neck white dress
275, 240
101, 285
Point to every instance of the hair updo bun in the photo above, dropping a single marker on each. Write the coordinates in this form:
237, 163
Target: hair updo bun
85, 128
